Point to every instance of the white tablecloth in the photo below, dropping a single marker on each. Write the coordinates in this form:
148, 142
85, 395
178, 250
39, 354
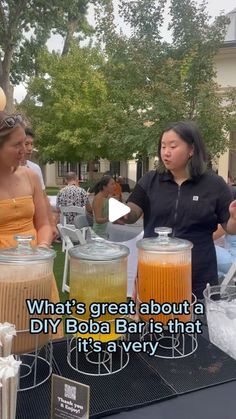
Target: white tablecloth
121, 233
52, 200
128, 235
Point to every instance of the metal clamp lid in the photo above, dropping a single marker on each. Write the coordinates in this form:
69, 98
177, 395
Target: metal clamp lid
164, 243
24, 252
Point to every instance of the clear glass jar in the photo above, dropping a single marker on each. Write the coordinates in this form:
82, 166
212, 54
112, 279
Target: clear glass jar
164, 272
220, 304
25, 273
98, 273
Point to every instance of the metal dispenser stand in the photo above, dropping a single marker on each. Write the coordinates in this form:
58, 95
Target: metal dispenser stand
173, 345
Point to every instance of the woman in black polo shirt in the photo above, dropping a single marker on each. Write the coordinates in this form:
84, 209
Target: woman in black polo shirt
184, 195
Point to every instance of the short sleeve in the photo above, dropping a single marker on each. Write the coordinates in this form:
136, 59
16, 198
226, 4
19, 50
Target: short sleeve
224, 198
85, 198
41, 179
139, 194
58, 203
36, 168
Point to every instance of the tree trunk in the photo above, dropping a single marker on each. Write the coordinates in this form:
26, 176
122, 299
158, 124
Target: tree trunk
71, 28
5, 68
8, 90
91, 169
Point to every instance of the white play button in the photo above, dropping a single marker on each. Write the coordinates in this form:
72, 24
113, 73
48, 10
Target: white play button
116, 210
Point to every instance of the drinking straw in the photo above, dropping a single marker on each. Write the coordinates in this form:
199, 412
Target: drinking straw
7, 331
9, 370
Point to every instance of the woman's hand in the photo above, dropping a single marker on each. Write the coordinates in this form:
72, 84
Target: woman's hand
230, 227
232, 210
45, 245
120, 221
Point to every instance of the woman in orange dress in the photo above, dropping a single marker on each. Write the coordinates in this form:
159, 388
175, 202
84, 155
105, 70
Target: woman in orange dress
22, 204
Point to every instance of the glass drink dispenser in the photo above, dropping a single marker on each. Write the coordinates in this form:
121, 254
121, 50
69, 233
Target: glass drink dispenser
164, 272
98, 273
25, 273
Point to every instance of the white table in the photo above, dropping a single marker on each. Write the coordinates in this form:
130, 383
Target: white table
128, 235
53, 201
121, 233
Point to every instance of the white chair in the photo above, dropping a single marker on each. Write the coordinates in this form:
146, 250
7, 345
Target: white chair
82, 223
70, 236
70, 209
64, 210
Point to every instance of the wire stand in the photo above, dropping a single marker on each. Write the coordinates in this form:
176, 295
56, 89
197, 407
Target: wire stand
36, 367
173, 345
94, 363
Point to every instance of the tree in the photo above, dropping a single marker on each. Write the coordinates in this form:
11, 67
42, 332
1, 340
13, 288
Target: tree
143, 84
195, 43
66, 104
25, 27
156, 83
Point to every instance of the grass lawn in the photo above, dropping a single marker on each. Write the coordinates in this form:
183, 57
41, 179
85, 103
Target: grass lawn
52, 190
58, 270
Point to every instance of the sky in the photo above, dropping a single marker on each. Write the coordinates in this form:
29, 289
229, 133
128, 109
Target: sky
214, 7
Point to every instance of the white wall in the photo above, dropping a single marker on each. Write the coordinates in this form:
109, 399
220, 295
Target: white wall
132, 171
104, 165
124, 169
225, 65
50, 174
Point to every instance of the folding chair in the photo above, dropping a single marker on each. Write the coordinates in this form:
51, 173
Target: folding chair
63, 222
70, 236
82, 223
70, 209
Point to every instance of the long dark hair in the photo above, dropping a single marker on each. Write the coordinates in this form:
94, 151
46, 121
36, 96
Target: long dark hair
188, 132
101, 183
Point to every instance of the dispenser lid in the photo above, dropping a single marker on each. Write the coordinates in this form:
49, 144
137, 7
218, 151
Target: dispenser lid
99, 249
163, 243
24, 253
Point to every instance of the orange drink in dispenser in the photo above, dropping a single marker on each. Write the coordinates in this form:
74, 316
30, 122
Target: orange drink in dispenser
164, 273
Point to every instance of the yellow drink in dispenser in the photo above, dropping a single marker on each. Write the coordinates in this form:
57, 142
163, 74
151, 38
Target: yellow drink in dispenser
98, 274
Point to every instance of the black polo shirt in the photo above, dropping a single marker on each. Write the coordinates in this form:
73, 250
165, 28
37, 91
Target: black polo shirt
192, 210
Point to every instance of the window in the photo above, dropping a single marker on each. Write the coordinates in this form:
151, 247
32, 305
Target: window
64, 167
83, 171
115, 168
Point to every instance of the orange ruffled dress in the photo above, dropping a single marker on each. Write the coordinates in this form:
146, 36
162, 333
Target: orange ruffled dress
16, 217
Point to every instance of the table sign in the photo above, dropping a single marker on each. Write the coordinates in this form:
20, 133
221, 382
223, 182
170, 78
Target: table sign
70, 399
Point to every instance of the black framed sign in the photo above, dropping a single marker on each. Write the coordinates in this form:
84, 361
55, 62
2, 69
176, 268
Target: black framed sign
70, 399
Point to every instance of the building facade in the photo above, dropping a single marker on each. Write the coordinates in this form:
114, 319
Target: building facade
132, 170
225, 64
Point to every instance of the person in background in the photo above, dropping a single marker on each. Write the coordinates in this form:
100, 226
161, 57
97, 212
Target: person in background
73, 194
232, 186
184, 195
103, 189
118, 191
124, 186
22, 203
120, 180
29, 146
225, 245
